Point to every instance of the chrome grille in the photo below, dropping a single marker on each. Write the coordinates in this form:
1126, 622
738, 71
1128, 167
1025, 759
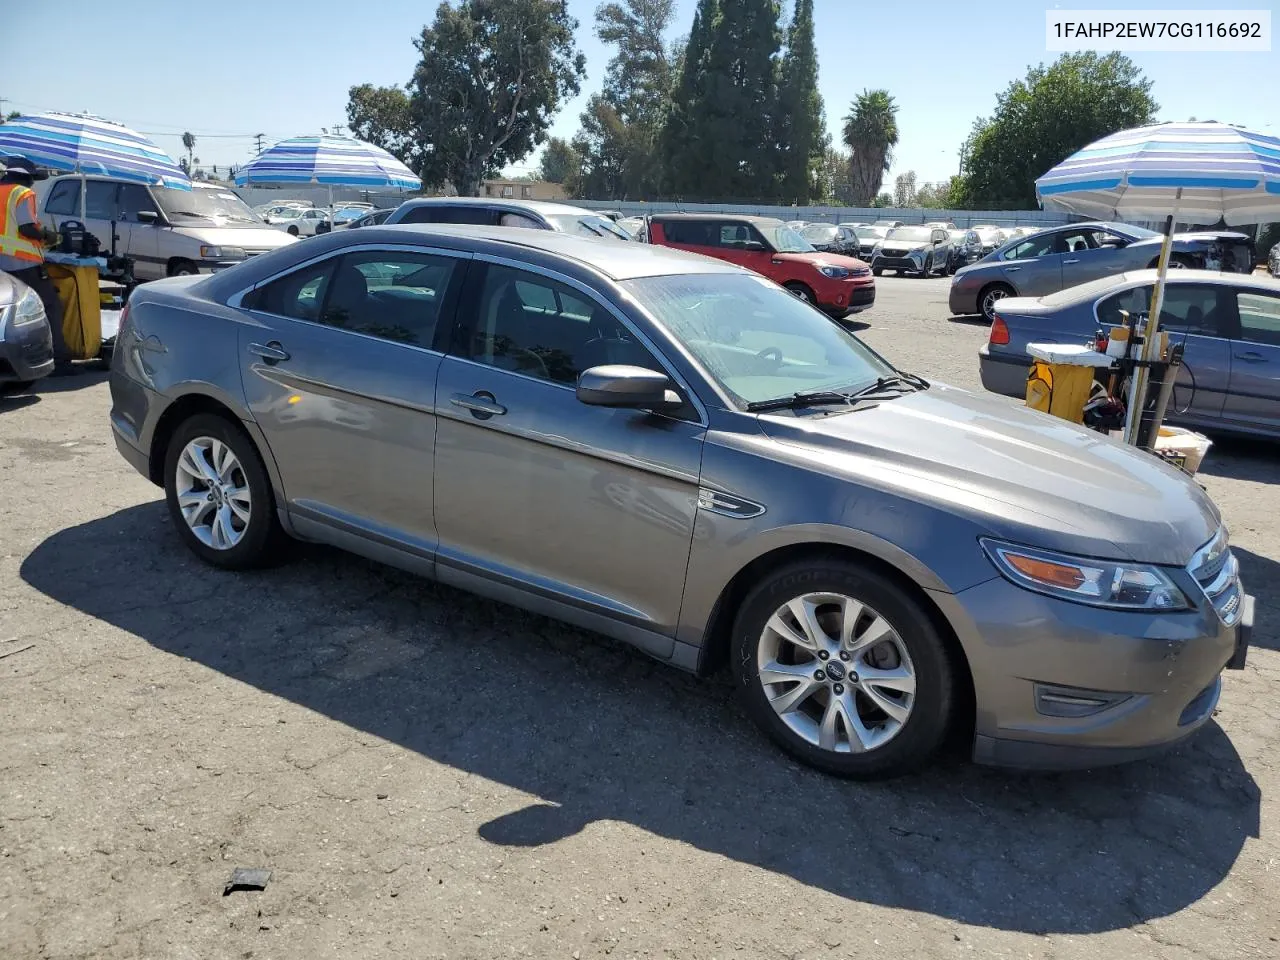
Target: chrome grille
1217, 571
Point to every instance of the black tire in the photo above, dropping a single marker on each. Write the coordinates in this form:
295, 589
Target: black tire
11, 388
803, 291
877, 271
263, 536
928, 267
292, 231
926, 727
1000, 291
183, 268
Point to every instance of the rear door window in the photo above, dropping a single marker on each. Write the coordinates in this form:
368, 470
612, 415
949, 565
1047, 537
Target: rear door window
694, 233
100, 200
1259, 318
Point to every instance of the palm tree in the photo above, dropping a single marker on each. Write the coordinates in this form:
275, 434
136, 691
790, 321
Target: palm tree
189, 142
871, 132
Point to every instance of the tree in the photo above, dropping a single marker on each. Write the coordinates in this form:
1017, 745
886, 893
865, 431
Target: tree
1041, 120
189, 142
871, 133
802, 136
719, 139
560, 162
936, 195
13, 115
904, 189
882, 200
492, 75
617, 141
382, 116
833, 179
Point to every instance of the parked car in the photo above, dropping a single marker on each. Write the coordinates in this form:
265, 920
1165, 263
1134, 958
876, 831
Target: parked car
917, 250
966, 248
535, 214
271, 209
941, 224
1273, 261
829, 238
633, 226
889, 223
614, 215
26, 344
992, 238
1228, 324
371, 219
1062, 257
301, 221
836, 284
673, 451
868, 236
167, 232
854, 226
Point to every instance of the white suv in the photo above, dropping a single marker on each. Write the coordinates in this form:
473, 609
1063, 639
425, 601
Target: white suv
167, 232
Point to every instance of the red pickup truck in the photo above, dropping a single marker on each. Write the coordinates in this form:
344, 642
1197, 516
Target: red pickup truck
837, 284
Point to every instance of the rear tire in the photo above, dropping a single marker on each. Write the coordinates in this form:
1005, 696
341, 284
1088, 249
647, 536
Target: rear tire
910, 671
292, 231
252, 536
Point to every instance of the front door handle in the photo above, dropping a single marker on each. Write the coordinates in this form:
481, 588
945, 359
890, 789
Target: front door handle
1251, 356
271, 352
481, 404
1076, 260
1012, 269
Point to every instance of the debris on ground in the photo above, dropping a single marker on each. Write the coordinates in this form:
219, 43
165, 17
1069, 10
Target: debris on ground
247, 878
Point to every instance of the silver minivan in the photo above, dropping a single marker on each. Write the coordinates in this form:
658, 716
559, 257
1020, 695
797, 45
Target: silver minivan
167, 232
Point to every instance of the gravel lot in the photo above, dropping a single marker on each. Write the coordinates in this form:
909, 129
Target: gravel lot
431, 775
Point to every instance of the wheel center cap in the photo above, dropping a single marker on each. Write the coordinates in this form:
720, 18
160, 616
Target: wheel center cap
835, 669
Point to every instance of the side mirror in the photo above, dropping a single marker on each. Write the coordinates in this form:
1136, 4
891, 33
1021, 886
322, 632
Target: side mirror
618, 385
148, 216
939, 236
754, 246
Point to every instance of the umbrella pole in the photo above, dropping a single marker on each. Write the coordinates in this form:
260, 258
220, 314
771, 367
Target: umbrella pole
1150, 341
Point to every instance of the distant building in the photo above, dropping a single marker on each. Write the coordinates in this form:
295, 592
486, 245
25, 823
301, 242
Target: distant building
523, 190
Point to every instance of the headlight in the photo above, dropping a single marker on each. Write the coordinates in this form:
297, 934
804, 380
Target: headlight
1098, 583
27, 312
827, 270
222, 253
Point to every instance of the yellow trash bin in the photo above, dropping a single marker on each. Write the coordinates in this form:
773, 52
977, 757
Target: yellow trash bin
1061, 378
81, 308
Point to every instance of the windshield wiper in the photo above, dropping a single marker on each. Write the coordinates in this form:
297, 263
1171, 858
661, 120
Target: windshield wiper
803, 398
895, 381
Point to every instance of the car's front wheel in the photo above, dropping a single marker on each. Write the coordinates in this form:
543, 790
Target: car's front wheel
219, 494
991, 295
802, 291
844, 669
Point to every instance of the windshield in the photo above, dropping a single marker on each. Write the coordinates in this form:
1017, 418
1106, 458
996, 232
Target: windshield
754, 339
870, 233
783, 238
590, 225
819, 233
914, 234
218, 206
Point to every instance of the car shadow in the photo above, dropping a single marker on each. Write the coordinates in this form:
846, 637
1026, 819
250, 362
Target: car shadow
1236, 458
87, 375
17, 401
973, 320
599, 732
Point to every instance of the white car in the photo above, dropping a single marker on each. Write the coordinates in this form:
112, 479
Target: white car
299, 222
279, 206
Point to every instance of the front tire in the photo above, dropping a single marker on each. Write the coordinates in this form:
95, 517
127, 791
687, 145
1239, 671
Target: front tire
219, 495
844, 670
990, 295
928, 267
877, 271
801, 291
183, 268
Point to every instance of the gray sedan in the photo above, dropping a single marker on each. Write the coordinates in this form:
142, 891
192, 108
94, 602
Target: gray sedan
26, 345
1229, 325
1062, 257
678, 453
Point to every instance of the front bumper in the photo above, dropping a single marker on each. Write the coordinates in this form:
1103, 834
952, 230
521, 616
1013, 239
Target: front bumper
902, 264
846, 296
1061, 685
962, 301
26, 353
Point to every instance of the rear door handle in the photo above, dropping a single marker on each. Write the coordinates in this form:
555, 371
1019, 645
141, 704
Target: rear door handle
1251, 357
271, 352
481, 404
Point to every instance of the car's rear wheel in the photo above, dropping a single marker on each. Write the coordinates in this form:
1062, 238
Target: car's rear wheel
802, 291
844, 670
292, 231
219, 495
991, 294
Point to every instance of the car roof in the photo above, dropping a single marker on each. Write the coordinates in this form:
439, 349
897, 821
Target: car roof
746, 218
545, 207
1093, 289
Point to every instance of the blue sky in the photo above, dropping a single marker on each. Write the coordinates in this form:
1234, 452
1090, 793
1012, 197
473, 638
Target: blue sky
283, 69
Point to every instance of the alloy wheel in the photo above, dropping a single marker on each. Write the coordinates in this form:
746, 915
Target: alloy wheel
213, 493
836, 672
989, 301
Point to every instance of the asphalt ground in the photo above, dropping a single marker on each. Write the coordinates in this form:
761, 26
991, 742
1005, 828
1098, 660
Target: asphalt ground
427, 774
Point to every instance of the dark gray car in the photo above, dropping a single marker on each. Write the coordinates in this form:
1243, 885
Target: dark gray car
1062, 257
26, 345
1228, 323
678, 453
533, 214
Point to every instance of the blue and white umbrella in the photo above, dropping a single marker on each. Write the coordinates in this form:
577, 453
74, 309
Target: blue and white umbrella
1203, 172
85, 144
1192, 172
335, 161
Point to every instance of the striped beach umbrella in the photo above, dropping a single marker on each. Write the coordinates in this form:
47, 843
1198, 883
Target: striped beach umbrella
84, 144
1200, 172
330, 160
1189, 172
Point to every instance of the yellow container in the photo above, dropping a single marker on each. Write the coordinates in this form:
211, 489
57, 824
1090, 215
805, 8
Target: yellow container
81, 308
1061, 379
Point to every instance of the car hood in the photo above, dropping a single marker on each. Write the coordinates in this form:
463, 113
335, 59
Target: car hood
903, 246
252, 238
820, 258
1027, 477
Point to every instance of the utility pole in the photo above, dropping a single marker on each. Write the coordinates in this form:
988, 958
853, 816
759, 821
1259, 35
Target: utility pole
259, 137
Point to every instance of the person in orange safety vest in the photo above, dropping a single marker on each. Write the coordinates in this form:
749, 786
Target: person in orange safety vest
22, 243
